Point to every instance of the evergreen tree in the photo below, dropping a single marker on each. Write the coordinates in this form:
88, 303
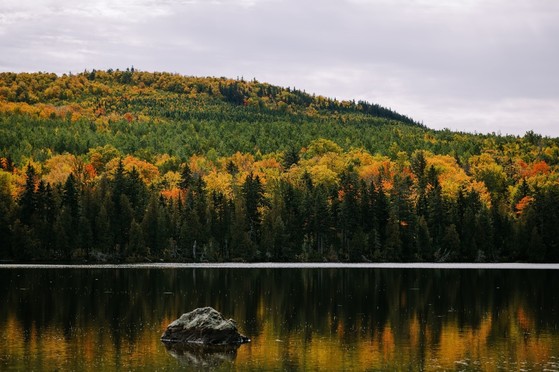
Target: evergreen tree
220, 221
7, 206
349, 216
242, 247
136, 192
102, 231
152, 223
393, 243
418, 167
436, 215
536, 247
485, 235
27, 201
47, 210
380, 200
290, 157
423, 241
186, 177
119, 186
86, 236
253, 194
71, 211
403, 215
24, 243
62, 233
126, 217
320, 220
293, 218
136, 244
450, 245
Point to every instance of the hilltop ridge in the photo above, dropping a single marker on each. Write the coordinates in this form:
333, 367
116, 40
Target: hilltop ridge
98, 93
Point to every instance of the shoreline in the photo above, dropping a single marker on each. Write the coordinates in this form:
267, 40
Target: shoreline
294, 265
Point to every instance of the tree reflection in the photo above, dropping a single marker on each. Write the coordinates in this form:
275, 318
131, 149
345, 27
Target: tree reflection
365, 318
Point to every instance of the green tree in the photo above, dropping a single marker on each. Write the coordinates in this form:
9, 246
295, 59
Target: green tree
102, 231
27, 201
7, 206
47, 210
71, 211
136, 244
450, 245
423, 241
253, 195
350, 215
186, 177
153, 227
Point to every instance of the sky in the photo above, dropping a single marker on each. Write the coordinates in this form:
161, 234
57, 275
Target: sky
469, 65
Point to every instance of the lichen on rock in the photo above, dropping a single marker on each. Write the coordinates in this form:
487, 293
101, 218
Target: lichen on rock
203, 326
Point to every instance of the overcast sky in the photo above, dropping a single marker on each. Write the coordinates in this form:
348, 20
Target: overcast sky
469, 65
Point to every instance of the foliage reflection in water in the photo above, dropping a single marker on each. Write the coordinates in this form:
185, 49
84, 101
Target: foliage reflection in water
321, 318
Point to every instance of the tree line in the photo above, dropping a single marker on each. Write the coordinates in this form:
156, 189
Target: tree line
120, 218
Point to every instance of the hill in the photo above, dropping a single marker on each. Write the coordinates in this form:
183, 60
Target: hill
131, 102
132, 165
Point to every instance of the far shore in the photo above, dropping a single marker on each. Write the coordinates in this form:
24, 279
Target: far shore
294, 265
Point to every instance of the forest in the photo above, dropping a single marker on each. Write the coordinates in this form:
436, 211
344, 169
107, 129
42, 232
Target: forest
134, 166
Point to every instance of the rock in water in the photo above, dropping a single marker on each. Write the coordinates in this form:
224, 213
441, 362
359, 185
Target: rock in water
203, 326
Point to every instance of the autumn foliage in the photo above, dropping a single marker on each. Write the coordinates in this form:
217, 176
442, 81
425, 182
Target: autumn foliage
129, 165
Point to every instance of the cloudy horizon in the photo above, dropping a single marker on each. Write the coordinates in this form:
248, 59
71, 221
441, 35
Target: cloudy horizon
476, 66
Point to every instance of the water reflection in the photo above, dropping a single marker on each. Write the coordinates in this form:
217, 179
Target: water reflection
202, 356
297, 318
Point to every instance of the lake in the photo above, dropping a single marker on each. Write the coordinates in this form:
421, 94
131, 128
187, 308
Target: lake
319, 317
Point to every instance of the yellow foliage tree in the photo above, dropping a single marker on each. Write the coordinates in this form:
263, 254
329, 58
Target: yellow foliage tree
59, 167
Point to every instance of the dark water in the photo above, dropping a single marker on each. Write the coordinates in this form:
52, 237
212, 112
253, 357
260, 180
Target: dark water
298, 318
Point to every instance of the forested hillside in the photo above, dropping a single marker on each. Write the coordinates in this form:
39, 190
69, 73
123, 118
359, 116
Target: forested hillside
137, 166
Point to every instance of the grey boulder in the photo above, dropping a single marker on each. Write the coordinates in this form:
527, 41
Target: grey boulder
205, 326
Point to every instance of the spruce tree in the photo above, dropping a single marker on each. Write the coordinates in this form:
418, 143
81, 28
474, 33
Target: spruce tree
6, 210
253, 194
27, 201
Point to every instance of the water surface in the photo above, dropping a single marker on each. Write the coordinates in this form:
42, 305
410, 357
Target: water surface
331, 317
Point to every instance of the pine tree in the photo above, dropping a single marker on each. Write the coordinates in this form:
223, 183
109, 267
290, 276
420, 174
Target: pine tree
150, 224
382, 209
136, 244
186, 177
126, 216
403, 214
27, 201
102, 231
47, 210
290, 157
435, 213
536, 248
253, 194
423, 241
393, 244
220, 222
450, 245
62, 233
349, 216
137, 193
242, 247
71, 211
24, 243
293, 218
7, 206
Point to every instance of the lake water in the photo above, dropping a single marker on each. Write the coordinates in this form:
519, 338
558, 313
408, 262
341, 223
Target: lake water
358, 317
